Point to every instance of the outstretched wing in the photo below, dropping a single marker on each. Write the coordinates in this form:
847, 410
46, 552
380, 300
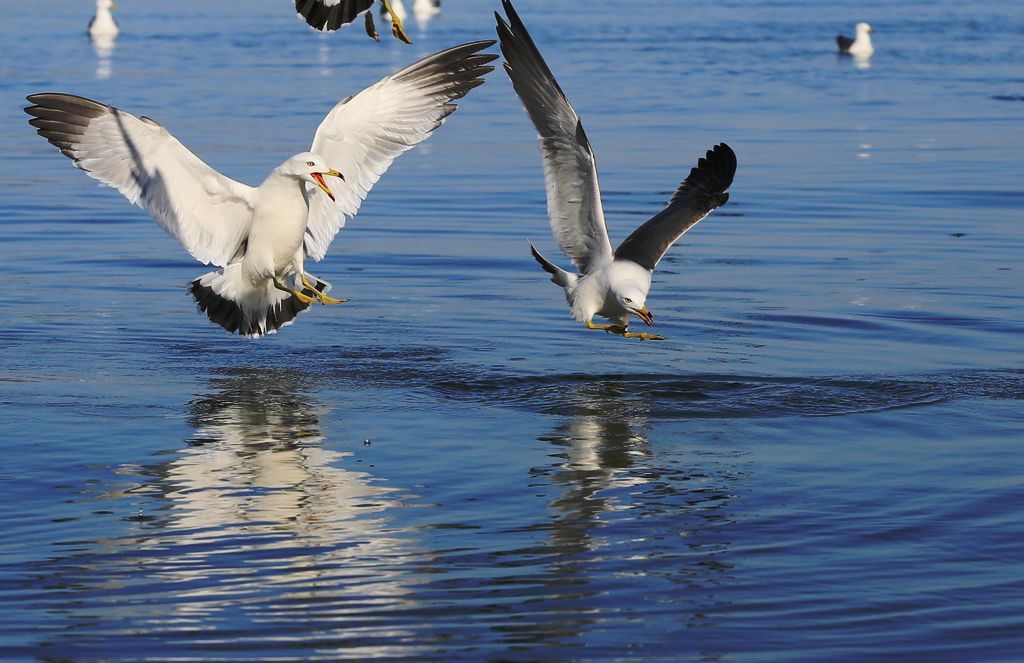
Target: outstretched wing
570, 170
363, 135
329, 15
702, 192
208, 213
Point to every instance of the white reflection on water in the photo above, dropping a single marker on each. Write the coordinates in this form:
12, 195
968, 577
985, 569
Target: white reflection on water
103, 47
256, 500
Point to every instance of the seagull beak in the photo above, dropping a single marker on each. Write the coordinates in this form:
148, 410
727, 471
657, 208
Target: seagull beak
645, 315
113, 5
319, 177
870, 30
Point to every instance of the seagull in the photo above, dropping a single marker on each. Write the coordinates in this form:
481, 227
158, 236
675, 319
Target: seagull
103, 23
859, 47
612, 284
329, 15
259, 237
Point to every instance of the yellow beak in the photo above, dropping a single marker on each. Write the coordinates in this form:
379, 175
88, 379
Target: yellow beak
319, 177
645, 315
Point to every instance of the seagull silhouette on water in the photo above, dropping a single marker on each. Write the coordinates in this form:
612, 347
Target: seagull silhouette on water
612, 284
259, 237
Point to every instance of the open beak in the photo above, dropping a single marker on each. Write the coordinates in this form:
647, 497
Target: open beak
319, 177
645, 315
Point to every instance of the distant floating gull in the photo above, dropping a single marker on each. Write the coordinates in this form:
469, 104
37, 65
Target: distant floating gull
259, 237
330, 15
860, 46
615, 284
103, 23
426, 9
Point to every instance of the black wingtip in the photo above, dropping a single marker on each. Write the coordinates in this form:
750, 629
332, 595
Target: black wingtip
714, 171
542, 261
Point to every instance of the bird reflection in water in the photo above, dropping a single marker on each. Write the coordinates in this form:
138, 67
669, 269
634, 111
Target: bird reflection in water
619, 500
103, 47
257, 499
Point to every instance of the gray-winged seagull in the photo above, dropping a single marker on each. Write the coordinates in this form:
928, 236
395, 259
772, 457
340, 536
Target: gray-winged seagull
259, 237
612, 284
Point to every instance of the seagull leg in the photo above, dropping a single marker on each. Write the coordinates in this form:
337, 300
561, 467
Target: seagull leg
324, 299
396, 24
305, 299
371, 29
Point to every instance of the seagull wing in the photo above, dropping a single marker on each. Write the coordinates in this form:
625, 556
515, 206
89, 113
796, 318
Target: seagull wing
207, 212
329, 15
844, 42
363, 135
702, 192
570, 170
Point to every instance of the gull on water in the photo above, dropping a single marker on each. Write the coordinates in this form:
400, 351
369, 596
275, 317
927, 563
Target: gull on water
329, 15
259, 237
103, 23
426, 9
861, 45
612, 284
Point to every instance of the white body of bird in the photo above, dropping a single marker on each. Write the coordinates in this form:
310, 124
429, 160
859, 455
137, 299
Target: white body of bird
861, 46
103, 24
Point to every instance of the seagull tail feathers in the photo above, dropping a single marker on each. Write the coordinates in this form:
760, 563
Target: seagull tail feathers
232, 301
558, 275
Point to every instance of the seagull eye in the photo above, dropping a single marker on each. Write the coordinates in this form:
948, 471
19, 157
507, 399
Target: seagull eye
310, 163
627, 300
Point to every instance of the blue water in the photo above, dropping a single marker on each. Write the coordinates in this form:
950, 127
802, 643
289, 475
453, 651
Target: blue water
823, 462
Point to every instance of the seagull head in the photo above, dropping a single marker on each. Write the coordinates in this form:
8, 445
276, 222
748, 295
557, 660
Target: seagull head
105, 4
864, 29
310, 167
632, 298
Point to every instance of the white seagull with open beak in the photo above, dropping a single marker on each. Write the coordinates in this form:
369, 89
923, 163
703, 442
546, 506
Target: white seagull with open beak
259, 237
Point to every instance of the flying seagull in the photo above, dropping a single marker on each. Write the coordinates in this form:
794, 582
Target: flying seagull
860, 46
103, 23
259, 237
612, 284
329, 15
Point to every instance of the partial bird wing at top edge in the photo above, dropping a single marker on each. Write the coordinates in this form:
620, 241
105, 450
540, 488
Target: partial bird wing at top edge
329, 15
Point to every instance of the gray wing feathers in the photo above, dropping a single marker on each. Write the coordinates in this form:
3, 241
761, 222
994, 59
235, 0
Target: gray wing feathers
364, 134
703, 191
570, 169
207, 212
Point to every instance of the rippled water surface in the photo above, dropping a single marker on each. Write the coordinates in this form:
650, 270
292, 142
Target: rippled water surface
824, 461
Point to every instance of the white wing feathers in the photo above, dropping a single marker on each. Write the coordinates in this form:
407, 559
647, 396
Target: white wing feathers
363, 135
208, 213
570, 169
